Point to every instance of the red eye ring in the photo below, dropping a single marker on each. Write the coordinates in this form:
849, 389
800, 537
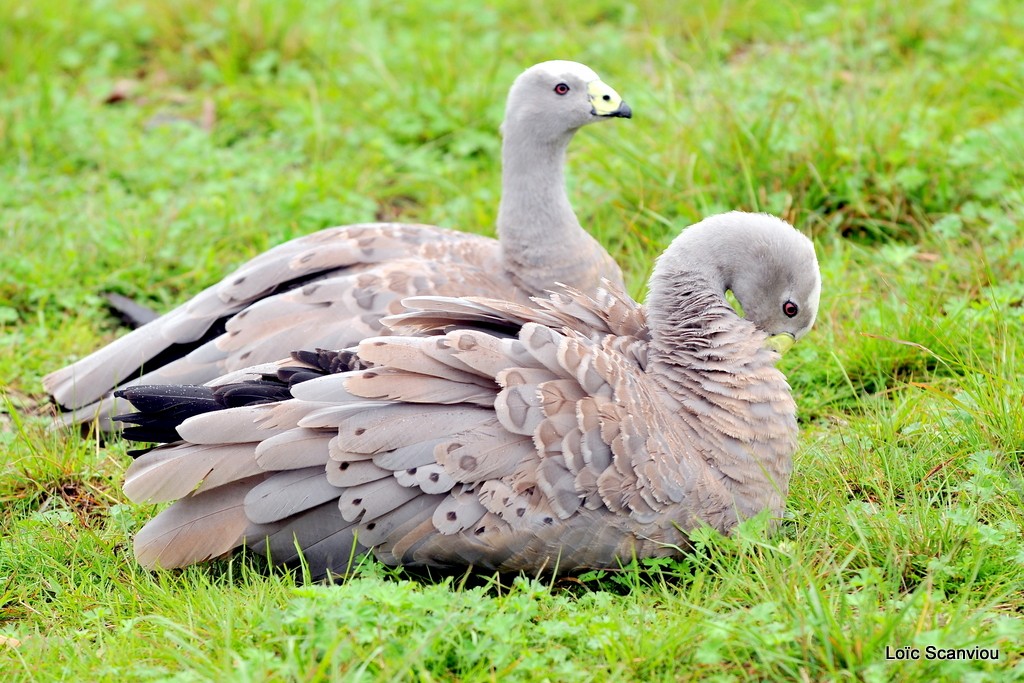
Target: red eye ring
562, 89
790, 309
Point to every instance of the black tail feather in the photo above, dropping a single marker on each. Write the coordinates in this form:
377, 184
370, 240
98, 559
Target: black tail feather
130, 312
161, 408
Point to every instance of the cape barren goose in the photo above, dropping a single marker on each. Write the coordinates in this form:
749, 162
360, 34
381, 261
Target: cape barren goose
577, 431
330, 289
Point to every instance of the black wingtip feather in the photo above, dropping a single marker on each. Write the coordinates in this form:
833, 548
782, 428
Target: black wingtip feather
161, 408
251, 393
155, 397
330, 362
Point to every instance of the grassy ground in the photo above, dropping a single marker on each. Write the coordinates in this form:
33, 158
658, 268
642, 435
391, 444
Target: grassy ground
147, 147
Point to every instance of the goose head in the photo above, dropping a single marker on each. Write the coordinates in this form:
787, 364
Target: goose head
768, 265
555, 99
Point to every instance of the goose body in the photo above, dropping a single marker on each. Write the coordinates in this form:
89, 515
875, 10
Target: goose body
330, 289
577, 431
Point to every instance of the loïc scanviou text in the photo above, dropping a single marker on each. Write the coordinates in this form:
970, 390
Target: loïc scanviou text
931, 652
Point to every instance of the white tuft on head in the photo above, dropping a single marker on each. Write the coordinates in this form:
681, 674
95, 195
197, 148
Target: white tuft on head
564, 67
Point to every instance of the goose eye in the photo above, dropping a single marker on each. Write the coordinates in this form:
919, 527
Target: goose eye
562, 88
790, 309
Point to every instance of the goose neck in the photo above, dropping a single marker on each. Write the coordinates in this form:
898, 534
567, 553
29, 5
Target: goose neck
534, 203
542, 241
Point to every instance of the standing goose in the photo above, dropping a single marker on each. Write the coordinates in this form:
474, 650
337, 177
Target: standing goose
331, 288
576, 432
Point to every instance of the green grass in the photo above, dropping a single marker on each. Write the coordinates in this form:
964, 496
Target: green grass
892, 132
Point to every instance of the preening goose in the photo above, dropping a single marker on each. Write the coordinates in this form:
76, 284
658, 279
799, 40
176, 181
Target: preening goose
330, 289
579, 431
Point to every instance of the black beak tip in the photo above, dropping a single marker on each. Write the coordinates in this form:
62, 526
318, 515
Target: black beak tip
623, 112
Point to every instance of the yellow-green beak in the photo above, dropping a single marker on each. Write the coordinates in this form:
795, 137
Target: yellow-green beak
780, 342
604, 101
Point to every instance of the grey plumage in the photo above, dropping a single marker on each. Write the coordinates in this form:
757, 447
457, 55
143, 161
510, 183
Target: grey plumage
330, 289
195, 468
284, 494
614, 429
